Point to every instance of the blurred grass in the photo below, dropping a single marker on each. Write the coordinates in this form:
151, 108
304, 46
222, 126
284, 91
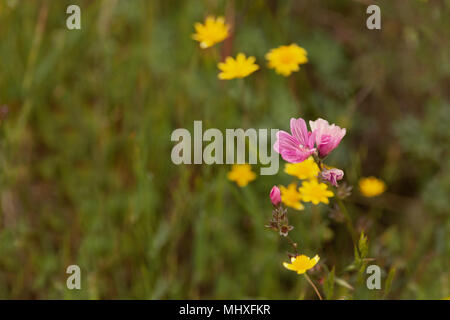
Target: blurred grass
86, 176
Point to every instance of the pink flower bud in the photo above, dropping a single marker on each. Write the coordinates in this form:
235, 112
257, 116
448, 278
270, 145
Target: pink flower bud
275, 196
332, 175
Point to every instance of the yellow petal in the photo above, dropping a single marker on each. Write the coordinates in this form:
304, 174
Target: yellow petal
289, 266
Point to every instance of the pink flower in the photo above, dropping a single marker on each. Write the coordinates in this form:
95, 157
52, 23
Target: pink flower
298, 146
327, 136
332, 175
275, 196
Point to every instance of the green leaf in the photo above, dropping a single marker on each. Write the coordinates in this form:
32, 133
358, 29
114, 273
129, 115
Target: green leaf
363, 246
357, 257
388, 282
344, 283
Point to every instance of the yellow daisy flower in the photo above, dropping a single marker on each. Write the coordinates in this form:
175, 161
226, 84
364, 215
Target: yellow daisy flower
315, 192
371, 186
237, 68
213, 31
286, 59
307, 169
242, 174
291, 197
301, 263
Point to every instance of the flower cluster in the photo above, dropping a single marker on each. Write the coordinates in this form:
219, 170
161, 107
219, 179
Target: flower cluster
301, 143
304, 150
280, 223
284, 59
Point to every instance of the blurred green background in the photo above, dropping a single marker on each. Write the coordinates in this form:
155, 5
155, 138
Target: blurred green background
86, 175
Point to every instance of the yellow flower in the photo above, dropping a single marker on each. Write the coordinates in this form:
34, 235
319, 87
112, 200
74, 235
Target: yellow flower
371, 186
237, 68
212, 32
315, 192
242, 174
291, 197
286, 59
307, 169
301, 263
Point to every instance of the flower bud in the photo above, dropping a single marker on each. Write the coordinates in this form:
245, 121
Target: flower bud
275, 196
332, 176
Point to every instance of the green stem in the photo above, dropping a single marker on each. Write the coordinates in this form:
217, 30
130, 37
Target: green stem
293, 244
344, 211
313, 285
318, 161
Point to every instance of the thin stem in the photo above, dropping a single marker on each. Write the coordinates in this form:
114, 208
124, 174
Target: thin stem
313, 285
320, 165
344, 211
293, 244
318, 161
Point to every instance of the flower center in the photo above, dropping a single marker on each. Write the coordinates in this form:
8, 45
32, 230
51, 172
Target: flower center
286, 58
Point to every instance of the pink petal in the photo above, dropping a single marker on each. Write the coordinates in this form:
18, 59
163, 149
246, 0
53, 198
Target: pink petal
300, 131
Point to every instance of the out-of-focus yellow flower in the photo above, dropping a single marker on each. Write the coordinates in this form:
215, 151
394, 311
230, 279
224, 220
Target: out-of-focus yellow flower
237, 68
291, 197
242, 174
371, 186
315, 192
301, 263
286, 59
212, 32
307, 169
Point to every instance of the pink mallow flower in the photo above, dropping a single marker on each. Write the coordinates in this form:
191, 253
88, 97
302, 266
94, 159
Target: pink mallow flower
298, 146
327, 136
332, 175
275, 196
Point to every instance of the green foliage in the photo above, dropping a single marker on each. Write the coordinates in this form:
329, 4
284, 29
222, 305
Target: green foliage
329, 284
361, 252
388, 282
363, 246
